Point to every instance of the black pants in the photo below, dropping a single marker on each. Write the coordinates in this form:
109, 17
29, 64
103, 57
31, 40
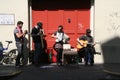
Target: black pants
59, 55
38, 53
59, 51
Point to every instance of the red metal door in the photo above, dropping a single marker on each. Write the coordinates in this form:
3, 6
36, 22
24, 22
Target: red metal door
69, 21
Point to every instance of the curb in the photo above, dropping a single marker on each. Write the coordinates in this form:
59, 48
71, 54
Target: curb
112, 73
11, 74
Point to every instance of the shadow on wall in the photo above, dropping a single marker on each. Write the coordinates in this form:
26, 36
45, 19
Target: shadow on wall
111, 50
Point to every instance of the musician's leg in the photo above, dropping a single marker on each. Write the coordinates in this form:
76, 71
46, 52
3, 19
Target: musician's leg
59, 56
80, 54
61, 50
86, 56
91, 56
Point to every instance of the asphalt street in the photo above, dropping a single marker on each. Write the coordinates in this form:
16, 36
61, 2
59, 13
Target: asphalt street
54, 72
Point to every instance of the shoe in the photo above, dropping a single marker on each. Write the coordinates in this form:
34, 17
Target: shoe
37, 65
86, 64
60, 64
17, 66
91, 64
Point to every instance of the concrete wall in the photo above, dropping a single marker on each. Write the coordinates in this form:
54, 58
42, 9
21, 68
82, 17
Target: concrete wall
20, 9
107, 29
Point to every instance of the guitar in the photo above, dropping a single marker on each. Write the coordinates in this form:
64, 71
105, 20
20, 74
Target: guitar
83, 43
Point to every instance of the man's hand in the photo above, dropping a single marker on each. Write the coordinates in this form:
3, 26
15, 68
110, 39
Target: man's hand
25, 31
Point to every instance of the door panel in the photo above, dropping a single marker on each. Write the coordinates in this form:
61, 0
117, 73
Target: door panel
69, 21
83, 21
54, 19
39, 16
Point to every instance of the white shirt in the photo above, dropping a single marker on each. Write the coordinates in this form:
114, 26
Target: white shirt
59, 36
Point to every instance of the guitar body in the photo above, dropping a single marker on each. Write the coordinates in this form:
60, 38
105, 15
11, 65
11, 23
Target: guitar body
79, 46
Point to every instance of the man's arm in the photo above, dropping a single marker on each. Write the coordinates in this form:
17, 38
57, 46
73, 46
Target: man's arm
78, 40
20, 34
54, 35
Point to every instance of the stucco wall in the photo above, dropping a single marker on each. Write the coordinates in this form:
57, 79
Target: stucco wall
107, 29
20, 9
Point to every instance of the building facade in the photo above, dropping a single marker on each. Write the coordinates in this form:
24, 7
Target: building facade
101, 16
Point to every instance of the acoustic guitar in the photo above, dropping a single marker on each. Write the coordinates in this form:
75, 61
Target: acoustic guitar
79, 44
85, 43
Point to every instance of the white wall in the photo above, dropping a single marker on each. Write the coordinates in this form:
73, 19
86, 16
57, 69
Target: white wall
20, 9
107, 27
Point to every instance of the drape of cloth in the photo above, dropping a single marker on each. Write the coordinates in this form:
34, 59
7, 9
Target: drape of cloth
41, 37
20, 30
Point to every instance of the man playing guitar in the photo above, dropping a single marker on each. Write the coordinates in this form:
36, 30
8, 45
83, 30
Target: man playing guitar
86, 47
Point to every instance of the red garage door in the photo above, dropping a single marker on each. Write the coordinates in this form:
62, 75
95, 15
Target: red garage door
73, 15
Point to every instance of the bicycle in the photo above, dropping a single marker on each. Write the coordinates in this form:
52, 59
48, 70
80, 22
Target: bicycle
7, 57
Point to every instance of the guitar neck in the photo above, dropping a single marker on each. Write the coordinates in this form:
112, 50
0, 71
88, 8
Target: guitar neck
91, 43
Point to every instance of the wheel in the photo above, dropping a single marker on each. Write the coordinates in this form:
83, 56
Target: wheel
10, 58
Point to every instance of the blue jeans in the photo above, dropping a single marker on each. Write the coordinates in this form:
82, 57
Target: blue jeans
20, 55
89, 55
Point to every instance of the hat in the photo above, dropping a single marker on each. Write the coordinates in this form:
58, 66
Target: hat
39, 24
60, 27
88, 31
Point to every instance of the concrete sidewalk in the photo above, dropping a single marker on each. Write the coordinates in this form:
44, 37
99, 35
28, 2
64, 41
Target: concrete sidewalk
112, 69
8, 71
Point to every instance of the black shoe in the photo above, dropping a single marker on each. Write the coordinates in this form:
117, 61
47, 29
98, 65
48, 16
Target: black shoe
36, 65
18, 66
86, 64
58, 64
91, 64
61, 64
